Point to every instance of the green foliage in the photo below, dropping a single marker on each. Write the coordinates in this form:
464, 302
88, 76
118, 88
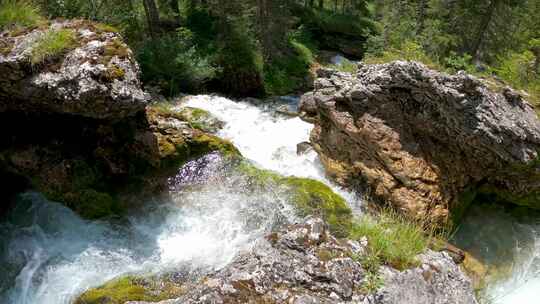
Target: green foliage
15, 13
392, 239
289, 72
174, 63
52, 44
409, 50
328, 21
455, 62
518, 70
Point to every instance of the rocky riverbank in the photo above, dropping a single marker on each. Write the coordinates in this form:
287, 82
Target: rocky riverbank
423, 141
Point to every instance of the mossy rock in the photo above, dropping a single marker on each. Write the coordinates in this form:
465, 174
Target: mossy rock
309, 196
131, 288
195, 117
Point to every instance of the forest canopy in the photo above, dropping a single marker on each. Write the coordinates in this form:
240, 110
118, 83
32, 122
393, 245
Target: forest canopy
271, 47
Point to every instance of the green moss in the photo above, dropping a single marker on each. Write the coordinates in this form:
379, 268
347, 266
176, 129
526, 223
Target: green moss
105, 28
130, 288
314, 197
114, 72
52, 44
310, 197
18, 14
204, 143
112, 49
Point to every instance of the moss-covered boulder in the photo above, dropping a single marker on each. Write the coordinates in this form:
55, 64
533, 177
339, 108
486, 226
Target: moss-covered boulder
99, 168
132, 288
309, 196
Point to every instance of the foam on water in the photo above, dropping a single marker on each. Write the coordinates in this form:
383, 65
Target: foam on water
49, 255
268, 139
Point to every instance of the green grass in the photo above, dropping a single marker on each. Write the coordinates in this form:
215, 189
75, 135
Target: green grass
392, 239
18, 14
53, 43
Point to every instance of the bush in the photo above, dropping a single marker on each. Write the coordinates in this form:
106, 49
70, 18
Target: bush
174, 63
518, 70
288, 73
18, 14
410, 51
52, 44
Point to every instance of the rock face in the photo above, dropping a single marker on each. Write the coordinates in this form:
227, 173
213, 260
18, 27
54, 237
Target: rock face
305, 264
425, 141
76, 126
94, 77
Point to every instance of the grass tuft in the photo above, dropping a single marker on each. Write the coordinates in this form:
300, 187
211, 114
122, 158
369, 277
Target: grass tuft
392, 239
18, 14
53, 43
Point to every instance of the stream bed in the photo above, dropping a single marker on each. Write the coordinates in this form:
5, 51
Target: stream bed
49, 255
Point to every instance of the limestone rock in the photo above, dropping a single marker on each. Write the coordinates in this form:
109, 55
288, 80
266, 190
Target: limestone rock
303, 263
97, 77
421, 139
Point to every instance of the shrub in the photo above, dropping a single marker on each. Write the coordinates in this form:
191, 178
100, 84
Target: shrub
410, 51
174, 63
53, 43
518, 70
288, 73
18, 14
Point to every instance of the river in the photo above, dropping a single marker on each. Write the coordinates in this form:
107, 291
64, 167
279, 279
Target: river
49, 255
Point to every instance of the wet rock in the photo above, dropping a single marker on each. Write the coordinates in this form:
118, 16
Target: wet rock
303, 148
438, 280
305, 264
421, 140
308, 108
96, 77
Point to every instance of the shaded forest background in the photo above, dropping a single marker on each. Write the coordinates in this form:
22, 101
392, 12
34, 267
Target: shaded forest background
271, 47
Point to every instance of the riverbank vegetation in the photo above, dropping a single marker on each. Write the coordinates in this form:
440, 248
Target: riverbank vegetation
250, 48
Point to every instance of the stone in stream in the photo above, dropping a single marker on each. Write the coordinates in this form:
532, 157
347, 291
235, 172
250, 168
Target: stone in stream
303, 263
425, 141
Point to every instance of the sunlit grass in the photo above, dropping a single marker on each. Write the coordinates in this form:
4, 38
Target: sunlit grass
18, 14
51, 44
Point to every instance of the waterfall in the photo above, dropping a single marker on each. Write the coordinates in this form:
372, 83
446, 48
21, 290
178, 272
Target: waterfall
49, 255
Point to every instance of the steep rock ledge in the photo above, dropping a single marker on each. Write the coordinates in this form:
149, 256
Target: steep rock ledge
422, 140
77, 125
83, 69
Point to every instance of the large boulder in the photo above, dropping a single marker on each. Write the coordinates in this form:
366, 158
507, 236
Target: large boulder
304, 264
425, 141
89, 72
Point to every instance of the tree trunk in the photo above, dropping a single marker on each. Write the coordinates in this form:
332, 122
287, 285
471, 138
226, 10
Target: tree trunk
475, 50
175, 8
152, 16
421, 16
321, 4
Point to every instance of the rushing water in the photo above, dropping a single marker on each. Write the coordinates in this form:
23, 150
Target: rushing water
507, 241
267, 138
48, 255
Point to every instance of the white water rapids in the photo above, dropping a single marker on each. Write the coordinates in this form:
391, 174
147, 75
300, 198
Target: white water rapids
48, 255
